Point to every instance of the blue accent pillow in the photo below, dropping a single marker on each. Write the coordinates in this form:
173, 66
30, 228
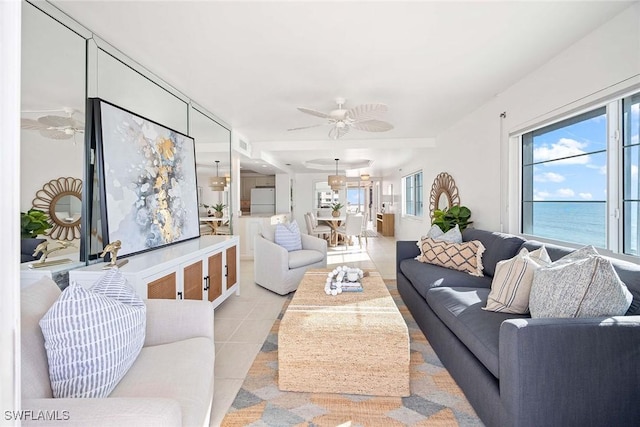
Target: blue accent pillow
288, 236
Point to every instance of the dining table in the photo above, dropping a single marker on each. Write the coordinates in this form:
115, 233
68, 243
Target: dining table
334, 222
214, 222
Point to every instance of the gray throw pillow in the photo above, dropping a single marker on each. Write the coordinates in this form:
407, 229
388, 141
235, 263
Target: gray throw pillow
452, 236
580, 284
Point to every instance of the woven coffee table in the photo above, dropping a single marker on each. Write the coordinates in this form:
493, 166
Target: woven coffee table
355, 342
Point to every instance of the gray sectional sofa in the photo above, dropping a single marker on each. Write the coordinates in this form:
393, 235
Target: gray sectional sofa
518, 371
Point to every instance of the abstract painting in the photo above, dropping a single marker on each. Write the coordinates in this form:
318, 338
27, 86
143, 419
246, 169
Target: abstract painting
148, 176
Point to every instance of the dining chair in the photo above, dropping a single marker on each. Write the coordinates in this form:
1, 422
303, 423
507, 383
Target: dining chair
316, 230
352, 227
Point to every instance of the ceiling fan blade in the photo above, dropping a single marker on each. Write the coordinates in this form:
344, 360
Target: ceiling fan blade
56, 134
31, 124
307, 127
373, 126
338, 132
56, 121
366, 112
314, 112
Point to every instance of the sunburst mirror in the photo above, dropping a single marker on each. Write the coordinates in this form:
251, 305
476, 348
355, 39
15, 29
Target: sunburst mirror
444, 193
61, 200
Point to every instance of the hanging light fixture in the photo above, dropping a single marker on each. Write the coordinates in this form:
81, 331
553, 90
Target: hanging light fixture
365, 177
336, 182
217, 183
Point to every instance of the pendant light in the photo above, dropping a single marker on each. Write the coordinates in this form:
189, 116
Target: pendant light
336, 182
217, 183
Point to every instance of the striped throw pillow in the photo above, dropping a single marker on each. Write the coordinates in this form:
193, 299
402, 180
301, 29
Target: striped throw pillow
512, 281
288, 236
92, 337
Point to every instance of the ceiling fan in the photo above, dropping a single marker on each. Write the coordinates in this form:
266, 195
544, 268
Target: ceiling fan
365, 117
53, 126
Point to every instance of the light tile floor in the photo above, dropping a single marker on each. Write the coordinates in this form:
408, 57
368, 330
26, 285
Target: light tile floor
243, 322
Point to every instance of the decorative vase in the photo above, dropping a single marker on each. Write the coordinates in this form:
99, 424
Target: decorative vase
335, 214
217, 214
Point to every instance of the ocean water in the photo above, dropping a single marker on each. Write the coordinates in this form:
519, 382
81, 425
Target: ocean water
581, 223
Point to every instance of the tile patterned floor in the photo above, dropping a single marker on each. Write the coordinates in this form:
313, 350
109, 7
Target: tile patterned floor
243, 322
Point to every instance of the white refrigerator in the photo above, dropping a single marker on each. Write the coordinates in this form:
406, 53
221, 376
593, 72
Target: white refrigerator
263, 201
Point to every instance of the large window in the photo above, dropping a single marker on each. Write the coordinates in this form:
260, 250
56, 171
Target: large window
412, 184
631, 156
580, 178
564, 180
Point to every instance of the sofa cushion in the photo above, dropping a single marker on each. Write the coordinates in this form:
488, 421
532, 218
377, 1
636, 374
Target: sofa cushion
452, 236
465, 256
169, 371
426, 276
512, 282
498, 246
35, 300
93, 338
479, 330
288, 236
304, 257
581, 284
628, 272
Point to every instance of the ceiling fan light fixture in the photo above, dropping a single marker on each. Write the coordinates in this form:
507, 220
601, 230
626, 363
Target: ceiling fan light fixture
337, 181
217, 183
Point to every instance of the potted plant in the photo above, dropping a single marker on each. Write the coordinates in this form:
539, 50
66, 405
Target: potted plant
336, 209
32, 223
447, 218
218, 209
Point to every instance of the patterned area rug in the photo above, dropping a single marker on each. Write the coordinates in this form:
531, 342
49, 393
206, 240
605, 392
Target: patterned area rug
435, 398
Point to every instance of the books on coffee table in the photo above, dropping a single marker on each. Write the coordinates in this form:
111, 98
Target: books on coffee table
352, 287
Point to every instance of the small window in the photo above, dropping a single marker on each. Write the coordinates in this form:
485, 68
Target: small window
413, 201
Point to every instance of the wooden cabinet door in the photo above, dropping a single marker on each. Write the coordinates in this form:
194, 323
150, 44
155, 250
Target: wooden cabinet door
162, 288
231, 266
214, 264
193, 281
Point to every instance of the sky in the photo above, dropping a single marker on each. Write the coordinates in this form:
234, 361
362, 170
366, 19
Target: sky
571, 167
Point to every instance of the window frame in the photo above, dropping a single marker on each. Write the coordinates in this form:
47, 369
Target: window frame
417, 193
615, 221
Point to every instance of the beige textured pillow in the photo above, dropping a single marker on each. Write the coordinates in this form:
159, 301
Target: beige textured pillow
466, 256
512, 281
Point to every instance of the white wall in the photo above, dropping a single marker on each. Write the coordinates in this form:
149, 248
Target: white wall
9, 209
477, 154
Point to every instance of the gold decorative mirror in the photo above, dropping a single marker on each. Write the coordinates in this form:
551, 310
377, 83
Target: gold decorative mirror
444, 193
61, 200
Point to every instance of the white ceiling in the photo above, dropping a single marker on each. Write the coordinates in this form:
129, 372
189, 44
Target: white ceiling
253, 63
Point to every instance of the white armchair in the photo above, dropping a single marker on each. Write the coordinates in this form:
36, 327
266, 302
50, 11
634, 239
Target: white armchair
280, 271
169, 384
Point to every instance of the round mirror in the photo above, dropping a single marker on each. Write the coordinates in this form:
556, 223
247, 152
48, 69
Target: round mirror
61, 200
444, 193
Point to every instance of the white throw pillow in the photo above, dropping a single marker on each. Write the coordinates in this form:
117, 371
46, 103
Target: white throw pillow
452, 236
288, 236
511, 284
93, 337
581, 284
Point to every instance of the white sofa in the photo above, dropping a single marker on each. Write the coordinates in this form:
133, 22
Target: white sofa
280, 271
170, 383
